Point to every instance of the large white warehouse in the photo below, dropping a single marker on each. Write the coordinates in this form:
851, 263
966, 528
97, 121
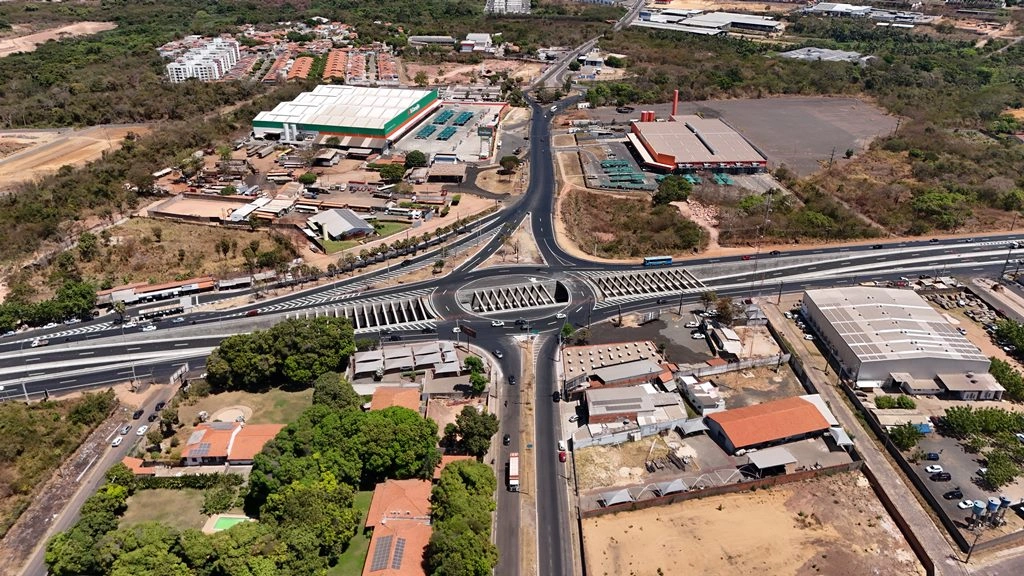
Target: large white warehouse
877, 332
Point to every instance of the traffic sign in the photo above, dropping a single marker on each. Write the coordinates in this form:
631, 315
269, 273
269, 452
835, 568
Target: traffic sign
468, 330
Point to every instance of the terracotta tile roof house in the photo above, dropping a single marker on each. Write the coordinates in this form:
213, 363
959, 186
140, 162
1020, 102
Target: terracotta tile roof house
137, 468
397, 549
765, 424
399, 516
446, 460
227, 442
387, 396
395, 499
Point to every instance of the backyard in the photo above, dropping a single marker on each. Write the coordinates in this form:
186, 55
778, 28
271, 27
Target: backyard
275, 406
351, 561
180, 509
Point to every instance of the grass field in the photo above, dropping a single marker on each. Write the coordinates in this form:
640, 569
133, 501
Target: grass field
177, 508
385, 229
273, 407
332, 246
351, 562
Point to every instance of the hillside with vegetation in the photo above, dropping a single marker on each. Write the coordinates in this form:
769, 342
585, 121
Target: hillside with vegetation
953, 164
36, 440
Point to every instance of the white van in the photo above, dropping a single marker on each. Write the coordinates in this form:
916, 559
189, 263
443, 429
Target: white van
117, 442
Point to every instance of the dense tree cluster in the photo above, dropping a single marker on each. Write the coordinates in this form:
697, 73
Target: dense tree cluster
905, 436
462, 504
358, 448
992, 432
74, 299
672, 188
902, 401
334, 391
36, 439
293, 353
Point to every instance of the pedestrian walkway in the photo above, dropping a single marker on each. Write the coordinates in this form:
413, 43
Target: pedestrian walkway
889, 478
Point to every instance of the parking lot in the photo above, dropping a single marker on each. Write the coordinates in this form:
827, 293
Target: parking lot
605, 160
669, 330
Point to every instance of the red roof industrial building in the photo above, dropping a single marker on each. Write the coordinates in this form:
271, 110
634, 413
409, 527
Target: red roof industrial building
766, 424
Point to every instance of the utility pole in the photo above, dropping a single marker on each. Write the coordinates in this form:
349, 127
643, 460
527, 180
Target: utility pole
831, 157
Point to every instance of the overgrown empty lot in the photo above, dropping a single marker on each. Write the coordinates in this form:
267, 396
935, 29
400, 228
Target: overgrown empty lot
612, 226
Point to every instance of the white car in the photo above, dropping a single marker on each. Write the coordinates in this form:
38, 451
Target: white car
50, 325
561, 315
574, 418
1019, 436
498, 354
788, 315
982, 471
933, 469
497, 323
693, 324
456, 330
141, 431
696, 336
965, 504
117, 442
149, 328
808, 336
131, 324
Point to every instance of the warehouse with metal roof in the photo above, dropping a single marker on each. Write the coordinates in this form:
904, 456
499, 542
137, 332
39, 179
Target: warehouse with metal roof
689, 143
377, 115
876, 332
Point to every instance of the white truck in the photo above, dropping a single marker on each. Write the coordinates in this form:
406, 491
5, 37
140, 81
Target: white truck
513, 472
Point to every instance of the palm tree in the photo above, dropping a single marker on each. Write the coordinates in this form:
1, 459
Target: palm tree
332, 269
364, 254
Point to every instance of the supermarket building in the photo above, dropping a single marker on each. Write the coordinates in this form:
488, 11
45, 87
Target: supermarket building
360, 117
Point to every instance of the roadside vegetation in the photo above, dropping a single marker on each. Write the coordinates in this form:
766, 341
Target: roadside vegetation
462, 503
36, 440
952, 164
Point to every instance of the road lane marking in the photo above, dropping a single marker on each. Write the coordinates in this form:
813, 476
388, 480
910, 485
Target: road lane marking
180, 344
86, 353
31, 359
133, 349
66, 381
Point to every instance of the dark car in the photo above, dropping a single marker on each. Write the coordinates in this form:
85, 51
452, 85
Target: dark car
941, 477
428, 330
775, 252
748, 257
934, 240
138, 414
512, 380
556, 396
562, 456
159, 406
662, 300
407, 261
506, 440
931, 456
395, 337
152, 417
252, 313
954, 494
877, 246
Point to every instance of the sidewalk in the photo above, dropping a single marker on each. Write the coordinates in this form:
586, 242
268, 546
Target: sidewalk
890, 479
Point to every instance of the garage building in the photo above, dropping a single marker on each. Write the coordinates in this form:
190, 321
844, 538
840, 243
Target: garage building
360, 117
876, 333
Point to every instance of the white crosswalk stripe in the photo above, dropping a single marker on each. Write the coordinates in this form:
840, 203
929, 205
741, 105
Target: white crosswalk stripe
333, 299
72, 332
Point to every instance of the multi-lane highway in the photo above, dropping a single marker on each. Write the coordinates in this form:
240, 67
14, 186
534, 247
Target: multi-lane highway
100, 352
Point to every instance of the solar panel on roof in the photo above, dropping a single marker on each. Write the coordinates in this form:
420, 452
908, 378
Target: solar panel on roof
381, 553
396, 561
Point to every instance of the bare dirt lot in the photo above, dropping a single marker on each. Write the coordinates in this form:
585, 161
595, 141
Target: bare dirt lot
48, 151
467, 73
29, 42
831, 525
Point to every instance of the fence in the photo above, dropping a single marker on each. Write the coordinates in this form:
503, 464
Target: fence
702, 371
626, 435
915, 544
717, 490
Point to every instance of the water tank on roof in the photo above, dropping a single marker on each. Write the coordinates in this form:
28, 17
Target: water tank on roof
1004, 502
979, 508
993, 504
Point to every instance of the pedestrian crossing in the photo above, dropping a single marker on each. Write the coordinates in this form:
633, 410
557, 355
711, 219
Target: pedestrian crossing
407, 311
72, 332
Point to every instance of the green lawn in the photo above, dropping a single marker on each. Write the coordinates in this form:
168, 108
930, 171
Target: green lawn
332, 246
351, 562
385, 229
178, 508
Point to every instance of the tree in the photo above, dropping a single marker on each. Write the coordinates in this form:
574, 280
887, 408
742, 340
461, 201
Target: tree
726, 310
509, 163
334, 390
475, 430
158, 234
333, 141
415, 159
707, 298
473, 364
224, 152
421, 78
905, 436
1008, 378
574, 66
228, 190
308, 178
1001, 469
321, 510
154, 436
567, 330
391, 172
477, 383
120, 308
87, 246
672, 189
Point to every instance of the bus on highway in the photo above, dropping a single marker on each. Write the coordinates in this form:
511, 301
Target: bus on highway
657, 260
